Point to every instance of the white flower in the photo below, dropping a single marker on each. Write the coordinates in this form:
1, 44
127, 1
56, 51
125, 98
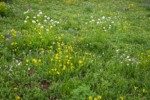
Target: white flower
112, 22
40, 13
34, 17
48, 18
109, 27
99, 19
33, 21
104, 28
19, 63
39, 24
25, 21
128, 57
57, 22
47, 30
103, 17
45, 20
51, 26
42, 27
28, 68
97, 22
117, 51
27, 17
93, 20
45, 16
26, 11
51, 20
91, 16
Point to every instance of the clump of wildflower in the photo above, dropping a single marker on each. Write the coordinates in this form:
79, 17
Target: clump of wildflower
99, 97
34, 61
122, 97
18, 98
90, 97
135, 88
65, 59
124, 58
95, 98
15, 88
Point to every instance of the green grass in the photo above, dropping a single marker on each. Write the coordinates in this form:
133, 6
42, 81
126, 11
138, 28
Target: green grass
75, 50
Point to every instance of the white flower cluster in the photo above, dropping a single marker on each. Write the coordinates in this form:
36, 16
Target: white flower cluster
123, 58
43, 21
106, 23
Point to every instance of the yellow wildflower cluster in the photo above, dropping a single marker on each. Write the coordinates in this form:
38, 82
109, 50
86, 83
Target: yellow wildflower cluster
95, 98
3, 8
13, 33
65, 59
2, 36
14, 43
54, 71
34, 61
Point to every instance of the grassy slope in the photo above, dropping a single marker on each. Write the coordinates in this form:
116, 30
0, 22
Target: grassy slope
111, 75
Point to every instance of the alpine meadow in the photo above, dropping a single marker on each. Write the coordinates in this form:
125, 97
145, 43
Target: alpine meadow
74, 50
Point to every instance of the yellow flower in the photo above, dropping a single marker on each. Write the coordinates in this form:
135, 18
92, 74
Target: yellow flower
56, 57
34, 60
66, 56
122, 97
99, 97
39, 60
53, 69
18, 98
144, 91
58, 49
64, 67
58, 72
27, 60
68, 62
15, 88
135, 88
90, 97
59, 38
95, 98
80, 61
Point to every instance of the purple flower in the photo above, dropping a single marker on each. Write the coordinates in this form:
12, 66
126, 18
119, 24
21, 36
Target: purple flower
9, 38
19, 35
